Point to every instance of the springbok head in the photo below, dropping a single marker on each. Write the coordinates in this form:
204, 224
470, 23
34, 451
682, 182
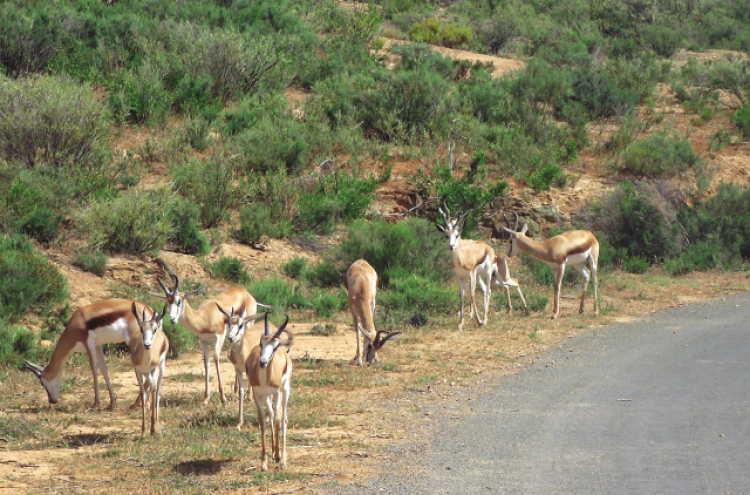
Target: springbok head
513, 234
235, 323
269, 343
453, 227
149, 327
374, 345
175, 298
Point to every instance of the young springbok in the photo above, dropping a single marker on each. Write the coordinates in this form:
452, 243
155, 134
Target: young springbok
207, 322
477, 262
574, 247
242, 340
148, 353
361, 284
108, 321
269, 374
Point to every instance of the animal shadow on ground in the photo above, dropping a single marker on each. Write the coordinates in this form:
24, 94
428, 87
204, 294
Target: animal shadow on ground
88, 439
200, 467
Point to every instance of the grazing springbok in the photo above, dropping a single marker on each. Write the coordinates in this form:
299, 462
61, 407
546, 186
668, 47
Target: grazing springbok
361, 284
207, 322
269, 374
476, 262
109, 321
574, 247
242, 340
148, 353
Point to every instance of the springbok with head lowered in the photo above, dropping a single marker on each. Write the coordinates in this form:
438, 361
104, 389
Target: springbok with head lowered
207, 322
242, 337
148, 353
574, 247
476, 262
109, 321
269, 374
361, 284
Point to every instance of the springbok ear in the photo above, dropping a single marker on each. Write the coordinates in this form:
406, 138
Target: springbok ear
524, 228
440, 228
512, 233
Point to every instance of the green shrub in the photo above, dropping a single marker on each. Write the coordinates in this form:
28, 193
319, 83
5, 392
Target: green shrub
741, 120
719, 139
542, 178
274, 291
52, 120
295, 266
659, 155
325, 273
600, 93
93, 261
230, 268
635, 264
135, 222
638, 222
43, 224
337, 197
723, 218
196, 131
139, 97
17, 344
407, 293
184, 216
213, 185
256, 223
431, 31
28, 281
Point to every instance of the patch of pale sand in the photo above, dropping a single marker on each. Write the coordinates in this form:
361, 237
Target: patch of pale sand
18, 467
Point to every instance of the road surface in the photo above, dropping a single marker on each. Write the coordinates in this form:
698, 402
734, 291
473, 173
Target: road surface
660, 406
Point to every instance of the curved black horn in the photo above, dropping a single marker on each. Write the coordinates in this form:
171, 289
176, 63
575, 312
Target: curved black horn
224, 311
163, 286
34, 368
266, 329
176, 282
163, 312
282, 328
135, 313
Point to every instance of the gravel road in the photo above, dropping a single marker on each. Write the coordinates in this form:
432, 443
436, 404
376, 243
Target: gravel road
660, 406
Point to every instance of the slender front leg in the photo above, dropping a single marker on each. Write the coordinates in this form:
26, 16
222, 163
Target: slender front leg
94, 366
102, 364
461, 283
152, 382
593, 267
217, 353
487, 290
284, 400
142, 390
518, 288
207, 370
238, 379
137, 402
277, 428
586, 277
559, 272
262, 425
507, 296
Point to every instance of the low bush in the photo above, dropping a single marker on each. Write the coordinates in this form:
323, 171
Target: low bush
256, 223
28, 281
18, 344
274, 291
135, 222
214, 185
327, 303
43, 224
635, 264
659, 155
180, 339
52, 120
432, 31
418, 293
93, 261
741, 120
230, 268
139, 96
295, 266
323, 330
184, 216
544, 177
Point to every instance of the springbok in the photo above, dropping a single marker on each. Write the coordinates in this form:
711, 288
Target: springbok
207, 322
269, 374
574, 247
148, 353
361, 284
477, 262
242, 340
109, 321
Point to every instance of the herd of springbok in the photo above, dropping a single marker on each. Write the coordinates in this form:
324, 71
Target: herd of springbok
253, 350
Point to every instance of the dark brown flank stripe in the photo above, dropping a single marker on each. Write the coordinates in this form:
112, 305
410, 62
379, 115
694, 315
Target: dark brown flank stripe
106, 319
582, 248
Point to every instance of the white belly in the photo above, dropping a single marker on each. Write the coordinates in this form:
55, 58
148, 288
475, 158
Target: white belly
577, 259
111, 334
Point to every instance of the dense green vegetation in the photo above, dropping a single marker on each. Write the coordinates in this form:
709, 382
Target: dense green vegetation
209, 79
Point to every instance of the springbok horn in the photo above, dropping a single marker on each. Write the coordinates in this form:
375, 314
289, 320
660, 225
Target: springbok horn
176, 281
224, 311
163, 286
135, 313
163, 312
254, 317
282, 328
34, 368
266, 329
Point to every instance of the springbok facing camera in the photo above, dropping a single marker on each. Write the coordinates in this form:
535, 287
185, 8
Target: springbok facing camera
269, 374
361, 284
574, 247
148, 353
477, 262
108, 321
207, 322
242, 340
